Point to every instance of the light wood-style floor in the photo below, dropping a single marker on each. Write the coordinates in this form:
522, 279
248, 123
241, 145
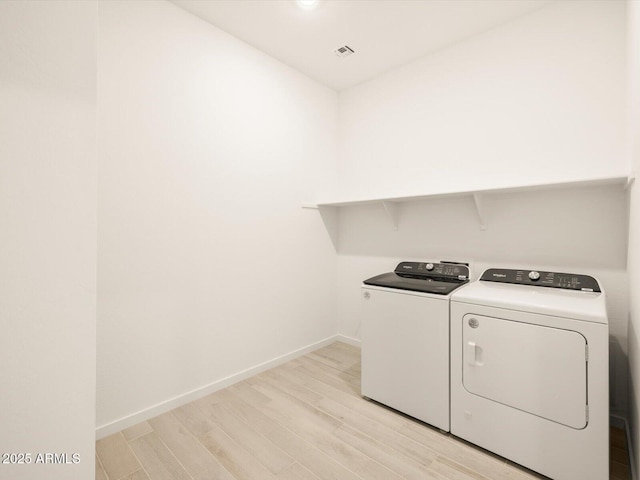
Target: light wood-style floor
300, 421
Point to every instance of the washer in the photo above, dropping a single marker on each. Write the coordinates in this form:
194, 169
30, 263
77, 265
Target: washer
405, 338
529, 371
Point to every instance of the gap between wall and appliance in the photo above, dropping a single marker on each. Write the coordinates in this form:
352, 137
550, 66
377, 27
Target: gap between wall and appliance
621, 422
175, 402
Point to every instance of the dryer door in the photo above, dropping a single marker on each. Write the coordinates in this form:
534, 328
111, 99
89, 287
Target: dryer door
536, 369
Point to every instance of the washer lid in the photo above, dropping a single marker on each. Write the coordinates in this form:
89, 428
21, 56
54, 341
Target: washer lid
415, 284
577, 305
437, 278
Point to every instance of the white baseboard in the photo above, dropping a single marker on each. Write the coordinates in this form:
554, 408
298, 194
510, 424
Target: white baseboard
350, 340
621, 422
162, 407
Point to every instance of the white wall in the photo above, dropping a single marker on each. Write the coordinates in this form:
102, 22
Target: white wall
540, 99
634, 229
48, 235
207, 263
537, 99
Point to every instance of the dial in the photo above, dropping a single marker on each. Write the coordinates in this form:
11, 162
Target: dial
429, 266
534, 276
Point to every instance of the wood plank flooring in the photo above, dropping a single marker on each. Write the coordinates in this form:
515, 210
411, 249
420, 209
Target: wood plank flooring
304, 420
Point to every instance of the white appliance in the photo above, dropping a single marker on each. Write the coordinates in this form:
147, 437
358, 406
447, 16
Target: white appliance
529, 371
405, 338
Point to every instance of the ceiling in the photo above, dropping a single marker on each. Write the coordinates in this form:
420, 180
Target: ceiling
384, 33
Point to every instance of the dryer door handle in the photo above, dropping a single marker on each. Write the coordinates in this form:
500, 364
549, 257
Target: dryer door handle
473, 351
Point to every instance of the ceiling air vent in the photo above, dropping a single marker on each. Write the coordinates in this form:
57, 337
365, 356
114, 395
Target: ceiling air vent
344, 51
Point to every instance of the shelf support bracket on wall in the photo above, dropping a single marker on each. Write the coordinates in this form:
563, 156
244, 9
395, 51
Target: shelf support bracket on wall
630, 179
392, 211
477, 200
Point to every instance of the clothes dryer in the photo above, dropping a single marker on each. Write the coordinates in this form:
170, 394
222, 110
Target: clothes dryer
529, 371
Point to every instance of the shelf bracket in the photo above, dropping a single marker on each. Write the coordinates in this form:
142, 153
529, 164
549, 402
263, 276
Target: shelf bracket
392, 212
630, 179
477, 200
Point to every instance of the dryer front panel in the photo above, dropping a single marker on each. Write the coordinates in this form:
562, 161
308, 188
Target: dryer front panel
539, 370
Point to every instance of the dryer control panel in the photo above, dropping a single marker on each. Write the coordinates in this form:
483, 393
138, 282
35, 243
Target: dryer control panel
566, 281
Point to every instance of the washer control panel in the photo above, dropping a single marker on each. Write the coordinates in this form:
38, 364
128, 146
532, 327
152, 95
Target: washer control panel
444, 269
566, 281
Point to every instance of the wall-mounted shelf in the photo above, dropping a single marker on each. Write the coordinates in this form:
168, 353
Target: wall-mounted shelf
392, 204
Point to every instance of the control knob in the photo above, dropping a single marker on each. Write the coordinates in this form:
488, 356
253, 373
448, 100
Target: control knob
534, 276
429, 266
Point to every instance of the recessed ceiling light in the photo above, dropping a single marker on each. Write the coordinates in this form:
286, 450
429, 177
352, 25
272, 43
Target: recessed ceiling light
307, 4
